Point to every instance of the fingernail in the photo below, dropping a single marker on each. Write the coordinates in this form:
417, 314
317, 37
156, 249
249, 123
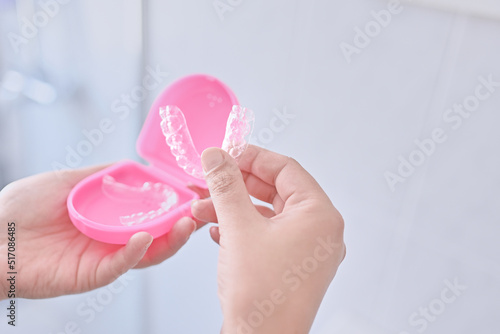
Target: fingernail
211, 158
149, 243
194, 203
194, 229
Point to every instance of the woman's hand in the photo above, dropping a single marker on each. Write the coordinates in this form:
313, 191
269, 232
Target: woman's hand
52, 257
274, 265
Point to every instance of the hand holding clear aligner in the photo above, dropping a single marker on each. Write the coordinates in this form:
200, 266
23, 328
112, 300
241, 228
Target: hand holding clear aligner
238, 130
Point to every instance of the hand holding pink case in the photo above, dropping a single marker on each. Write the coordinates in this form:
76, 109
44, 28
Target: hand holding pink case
206, 103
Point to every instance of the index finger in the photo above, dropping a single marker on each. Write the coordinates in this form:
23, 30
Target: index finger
292, 183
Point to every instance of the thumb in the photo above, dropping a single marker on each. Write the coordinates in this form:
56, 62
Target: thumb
118, 263
227, 188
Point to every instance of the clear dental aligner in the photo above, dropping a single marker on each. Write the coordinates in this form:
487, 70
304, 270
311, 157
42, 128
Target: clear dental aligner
149, 193
179, 140
238, 130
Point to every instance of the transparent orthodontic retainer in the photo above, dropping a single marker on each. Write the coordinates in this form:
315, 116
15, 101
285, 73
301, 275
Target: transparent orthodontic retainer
238, 130
128, 197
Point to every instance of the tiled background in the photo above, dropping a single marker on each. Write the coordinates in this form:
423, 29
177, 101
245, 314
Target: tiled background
352, 122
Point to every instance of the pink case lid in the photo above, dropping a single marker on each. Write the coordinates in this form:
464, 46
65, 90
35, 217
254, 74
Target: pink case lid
206, 103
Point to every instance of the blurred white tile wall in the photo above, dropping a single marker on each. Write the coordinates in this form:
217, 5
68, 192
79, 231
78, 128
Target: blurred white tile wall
484, 8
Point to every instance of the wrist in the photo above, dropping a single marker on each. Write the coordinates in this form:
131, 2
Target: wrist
3, 252
275, 314
3, 275
3, 290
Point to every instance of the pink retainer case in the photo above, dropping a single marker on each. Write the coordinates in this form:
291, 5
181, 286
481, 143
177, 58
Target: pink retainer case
206, 103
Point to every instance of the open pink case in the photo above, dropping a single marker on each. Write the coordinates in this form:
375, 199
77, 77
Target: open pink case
206, 103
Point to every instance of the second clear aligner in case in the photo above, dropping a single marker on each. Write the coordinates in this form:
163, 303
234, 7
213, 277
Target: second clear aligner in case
158, 195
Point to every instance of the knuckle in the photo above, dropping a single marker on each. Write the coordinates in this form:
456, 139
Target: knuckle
292, 161
338, 224
340, 221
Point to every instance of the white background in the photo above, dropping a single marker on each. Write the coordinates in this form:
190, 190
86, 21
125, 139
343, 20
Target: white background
352, 122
